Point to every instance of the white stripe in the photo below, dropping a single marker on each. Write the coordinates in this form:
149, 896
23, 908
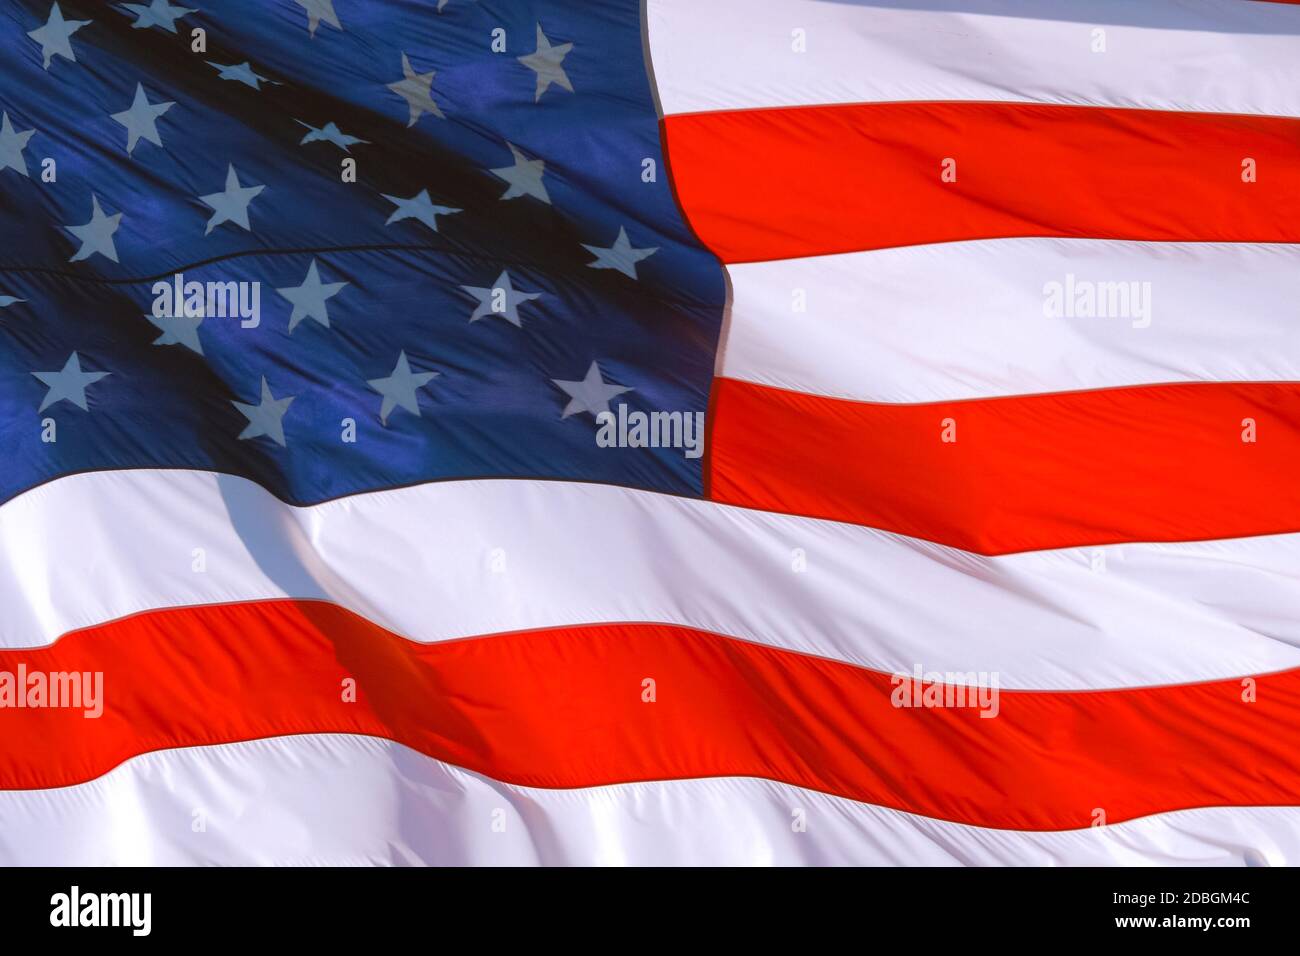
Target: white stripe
338, 799
459, 559
1218, 56
980, 319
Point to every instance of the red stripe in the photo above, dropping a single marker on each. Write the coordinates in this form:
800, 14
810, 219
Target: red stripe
1148, 463
564, 708
780, 183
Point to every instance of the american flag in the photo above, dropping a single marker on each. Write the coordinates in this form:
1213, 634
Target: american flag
667, 432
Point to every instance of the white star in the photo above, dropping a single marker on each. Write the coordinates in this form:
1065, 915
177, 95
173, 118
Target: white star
178, 330
266, 418
141, 119
620, 255
53, 37
8, 300
309, 298
418, 207
96, 235
318, 10
592, 394
501, 300
241, 73
545, 62
12, 144
524, 177
68, 384
231, 204
399, 388
329, 133
159, 13
417, 90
